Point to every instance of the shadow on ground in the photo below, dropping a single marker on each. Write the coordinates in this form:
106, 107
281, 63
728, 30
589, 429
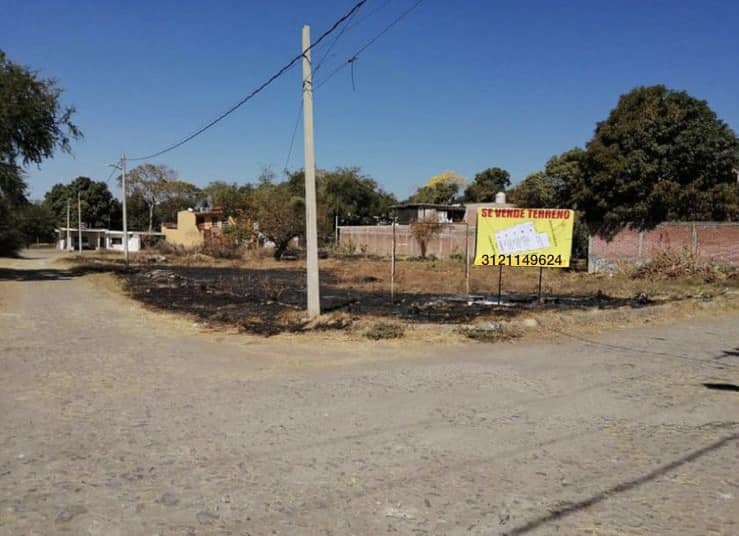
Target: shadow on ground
573, 508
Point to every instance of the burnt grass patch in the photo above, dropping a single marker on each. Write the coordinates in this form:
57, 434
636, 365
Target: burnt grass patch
270, 301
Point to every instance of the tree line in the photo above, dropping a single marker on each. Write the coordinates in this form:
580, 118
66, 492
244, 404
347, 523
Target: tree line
659, 155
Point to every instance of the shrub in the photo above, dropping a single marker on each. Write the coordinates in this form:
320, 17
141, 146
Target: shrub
673, 264
492, 333
221, 246
423, 231
385, 330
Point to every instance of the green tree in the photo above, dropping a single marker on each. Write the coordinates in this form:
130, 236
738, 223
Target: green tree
660, 155
441, 189
486, 184
33, 126
99, 208
553, 188
537, 190
36, 223
279, 211
233, 199
344, 192
355, 198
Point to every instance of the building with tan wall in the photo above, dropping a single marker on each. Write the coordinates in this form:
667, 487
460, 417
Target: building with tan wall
193, 228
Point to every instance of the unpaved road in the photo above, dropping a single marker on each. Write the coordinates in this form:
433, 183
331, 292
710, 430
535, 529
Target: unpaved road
117, 421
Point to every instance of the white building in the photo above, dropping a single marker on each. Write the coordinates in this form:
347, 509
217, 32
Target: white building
104, 239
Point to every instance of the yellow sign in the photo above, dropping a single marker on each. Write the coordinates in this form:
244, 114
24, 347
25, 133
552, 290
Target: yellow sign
540, 237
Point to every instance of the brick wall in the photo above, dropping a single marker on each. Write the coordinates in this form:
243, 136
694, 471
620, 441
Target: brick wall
716, 242
378, 240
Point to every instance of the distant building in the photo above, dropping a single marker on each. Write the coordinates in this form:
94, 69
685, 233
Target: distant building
104, 239
409, 213
194, 227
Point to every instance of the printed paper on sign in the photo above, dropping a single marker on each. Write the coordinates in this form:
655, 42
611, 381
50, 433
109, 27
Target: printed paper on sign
520, 238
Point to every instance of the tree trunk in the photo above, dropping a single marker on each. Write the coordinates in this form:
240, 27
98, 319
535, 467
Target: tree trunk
151, 216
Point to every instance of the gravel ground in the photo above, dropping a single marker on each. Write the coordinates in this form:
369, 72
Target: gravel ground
120, 421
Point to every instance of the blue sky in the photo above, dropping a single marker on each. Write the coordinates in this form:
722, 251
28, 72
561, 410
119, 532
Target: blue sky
460, 85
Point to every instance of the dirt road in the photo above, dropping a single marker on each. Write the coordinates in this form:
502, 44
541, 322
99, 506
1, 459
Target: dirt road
117, 421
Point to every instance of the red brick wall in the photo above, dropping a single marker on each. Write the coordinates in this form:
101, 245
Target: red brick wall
716, 242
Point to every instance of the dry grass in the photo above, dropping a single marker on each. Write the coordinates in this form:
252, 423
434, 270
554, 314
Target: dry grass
267, 297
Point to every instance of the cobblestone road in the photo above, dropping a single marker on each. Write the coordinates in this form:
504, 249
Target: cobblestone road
120, 422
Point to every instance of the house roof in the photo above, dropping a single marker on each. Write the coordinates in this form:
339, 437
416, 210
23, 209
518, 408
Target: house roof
437, 206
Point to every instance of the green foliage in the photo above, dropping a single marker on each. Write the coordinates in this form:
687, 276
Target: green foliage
99, 207
354, 197
233, 199
36, 223
535, 191
486, 184
344, 192
441, 189
33, 125
279, 211
553, 188
660, 155
437, 194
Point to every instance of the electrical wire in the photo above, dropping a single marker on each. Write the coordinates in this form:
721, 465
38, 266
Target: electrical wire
354, 57
111, 175
332, 45
256, 91
292, 139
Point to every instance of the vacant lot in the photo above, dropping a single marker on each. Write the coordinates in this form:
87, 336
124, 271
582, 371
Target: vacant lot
268, 297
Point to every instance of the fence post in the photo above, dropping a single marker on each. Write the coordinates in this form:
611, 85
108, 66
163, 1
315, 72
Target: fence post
392, 269
467, 257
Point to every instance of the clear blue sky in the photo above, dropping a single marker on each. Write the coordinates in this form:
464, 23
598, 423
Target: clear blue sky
460, 85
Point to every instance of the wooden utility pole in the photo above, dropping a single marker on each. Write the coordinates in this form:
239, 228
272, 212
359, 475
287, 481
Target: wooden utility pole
79, 222
125, 215
311, 231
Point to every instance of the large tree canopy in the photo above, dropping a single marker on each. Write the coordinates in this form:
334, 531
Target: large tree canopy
440, 189
33, 125
660, 155
486, 184
99, 207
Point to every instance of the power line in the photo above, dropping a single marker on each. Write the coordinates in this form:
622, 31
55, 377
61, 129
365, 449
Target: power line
354, 57
332, 44
292, 138
349, 25
256, 91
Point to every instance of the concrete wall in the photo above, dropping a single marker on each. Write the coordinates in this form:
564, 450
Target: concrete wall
715, 242
186, 233
378, 240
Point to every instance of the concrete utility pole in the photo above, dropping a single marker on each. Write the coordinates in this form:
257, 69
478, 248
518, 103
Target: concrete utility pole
311, 231
79, 222
125, 215
68, 243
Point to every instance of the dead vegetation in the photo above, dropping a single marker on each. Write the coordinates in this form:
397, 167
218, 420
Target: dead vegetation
385, 330
267, 297
680, 264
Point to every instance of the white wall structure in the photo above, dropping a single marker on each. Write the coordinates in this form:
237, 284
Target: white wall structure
103, 239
